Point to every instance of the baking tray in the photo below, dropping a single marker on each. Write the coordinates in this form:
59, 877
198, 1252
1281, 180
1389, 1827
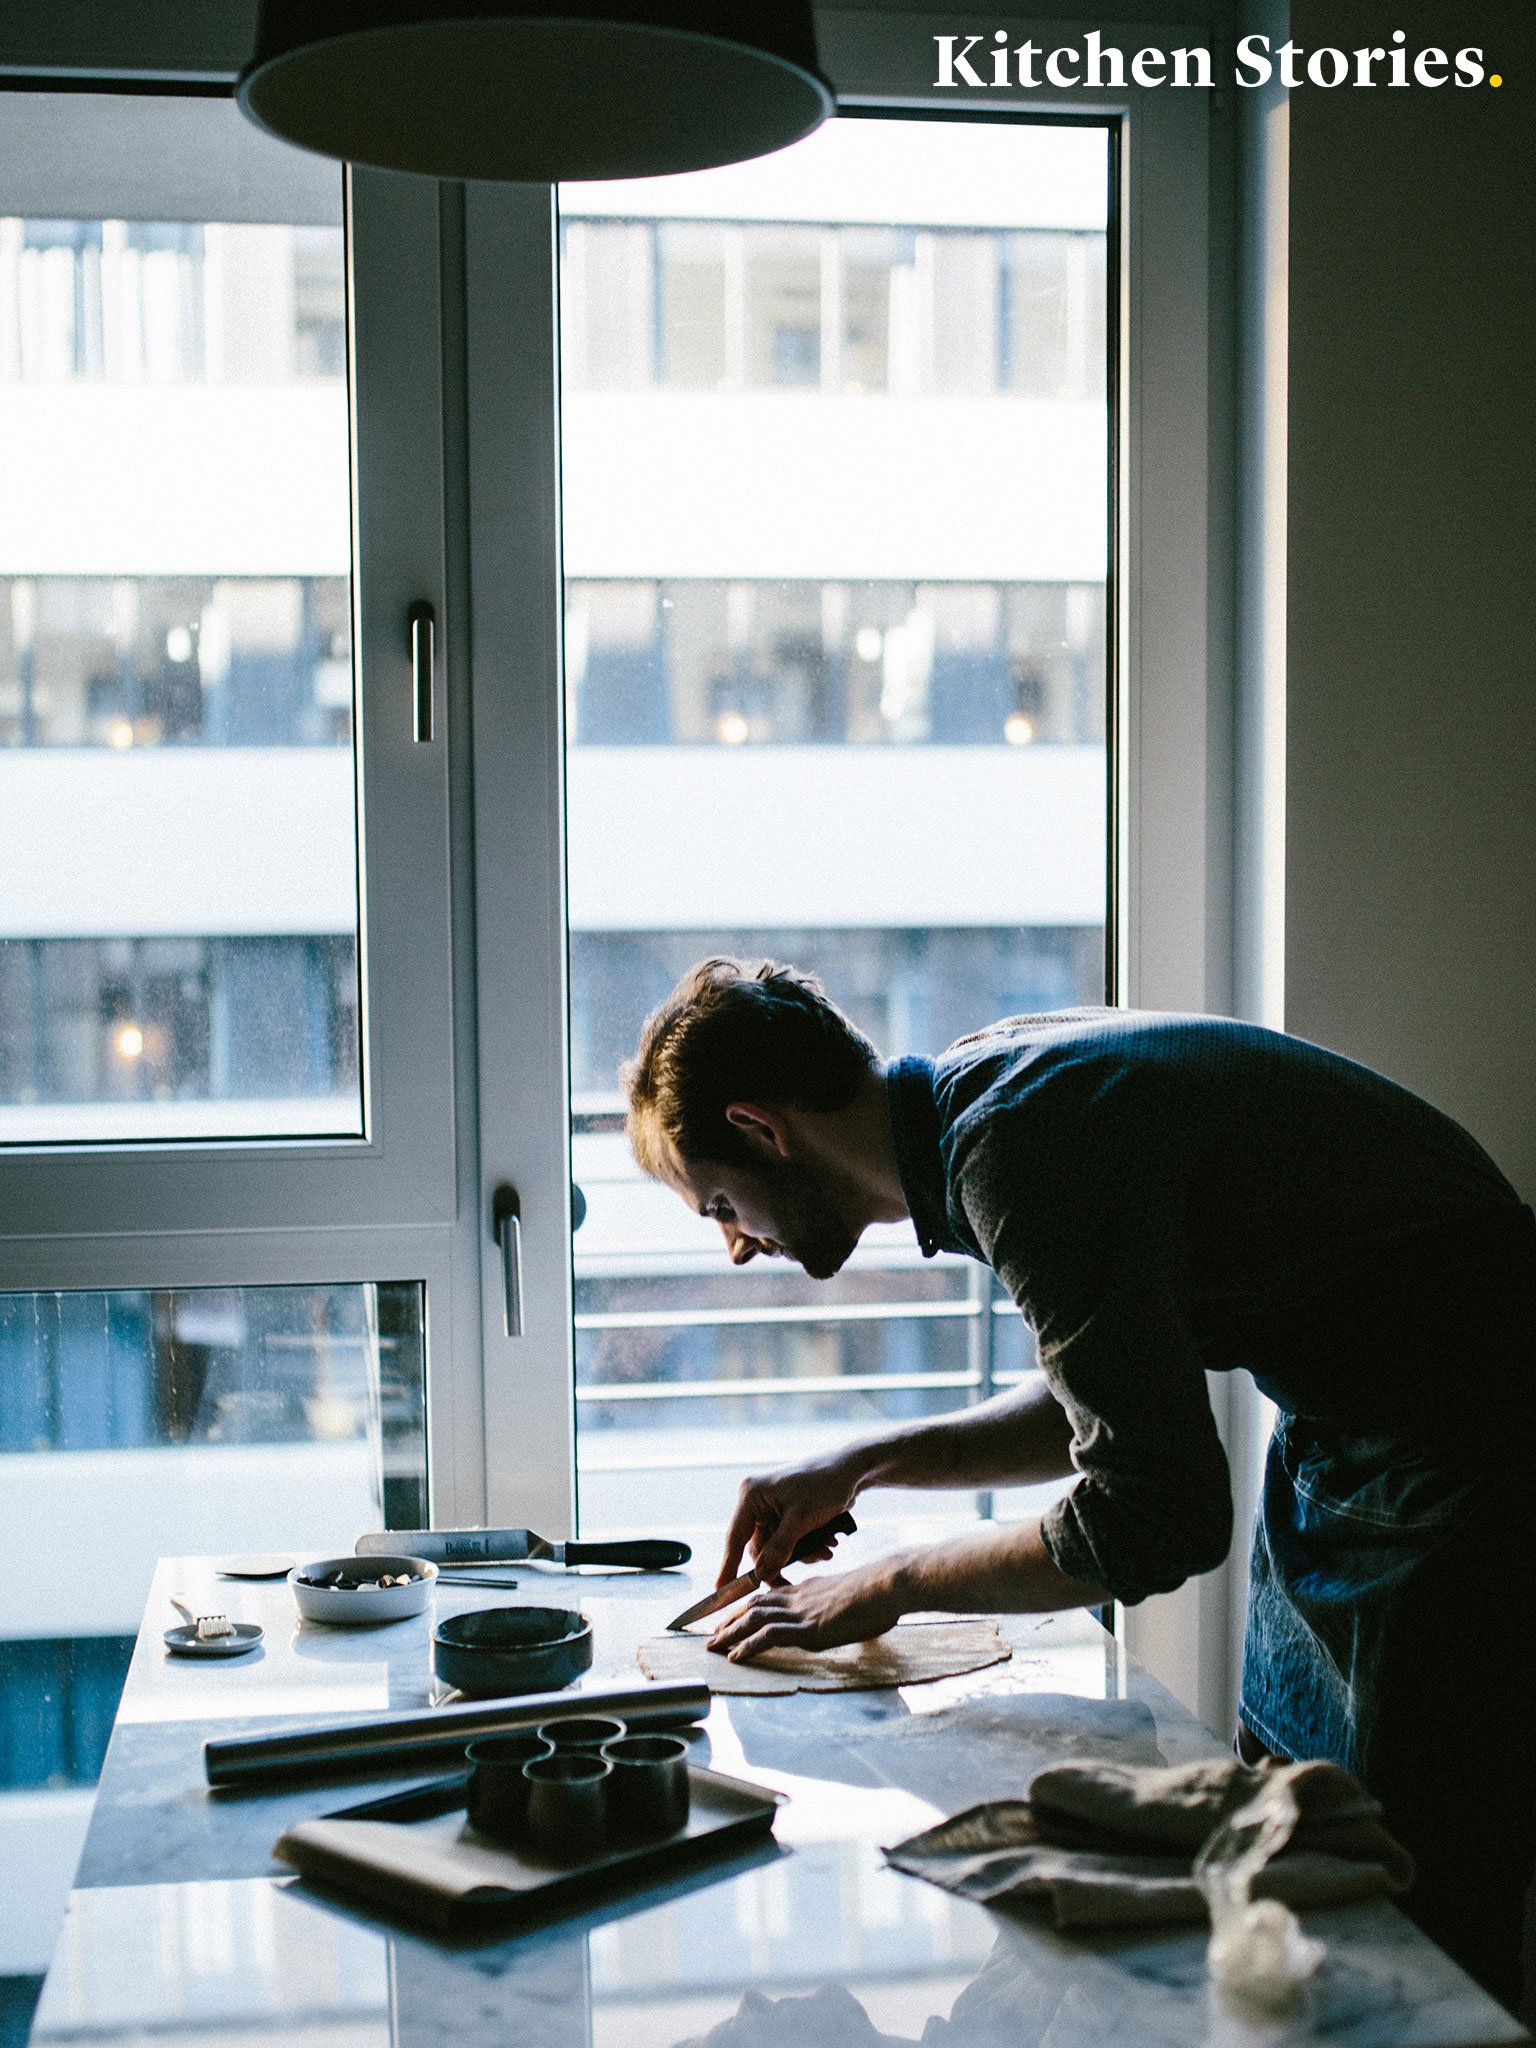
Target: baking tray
414, 1854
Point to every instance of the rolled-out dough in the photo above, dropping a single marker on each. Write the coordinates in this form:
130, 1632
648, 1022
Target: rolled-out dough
912, 1653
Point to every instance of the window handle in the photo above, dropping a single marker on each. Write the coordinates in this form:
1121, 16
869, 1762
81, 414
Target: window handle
507, 1216
423, 622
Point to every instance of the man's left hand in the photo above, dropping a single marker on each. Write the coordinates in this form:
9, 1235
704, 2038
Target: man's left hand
818, 1614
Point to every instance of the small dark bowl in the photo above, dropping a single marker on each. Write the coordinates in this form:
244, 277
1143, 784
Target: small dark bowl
496, 1652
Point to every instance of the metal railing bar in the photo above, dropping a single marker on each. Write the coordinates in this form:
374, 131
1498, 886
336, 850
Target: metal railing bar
808, 1383
807, 1312
709, 1262
321, 1340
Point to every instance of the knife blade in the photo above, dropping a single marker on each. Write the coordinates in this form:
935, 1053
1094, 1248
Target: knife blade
518, 1546
737, 1589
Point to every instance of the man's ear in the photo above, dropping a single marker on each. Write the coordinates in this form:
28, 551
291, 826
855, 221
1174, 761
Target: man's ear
765, 1128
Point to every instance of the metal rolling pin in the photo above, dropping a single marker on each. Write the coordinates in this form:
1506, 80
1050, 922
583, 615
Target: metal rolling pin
384, 1742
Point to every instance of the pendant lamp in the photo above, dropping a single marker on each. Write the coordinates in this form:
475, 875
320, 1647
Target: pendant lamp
516, 89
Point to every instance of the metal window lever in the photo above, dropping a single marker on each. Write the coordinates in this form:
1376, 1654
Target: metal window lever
507, 1219
423, 625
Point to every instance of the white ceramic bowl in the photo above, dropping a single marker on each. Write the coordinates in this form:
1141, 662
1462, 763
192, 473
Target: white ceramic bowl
371, 1603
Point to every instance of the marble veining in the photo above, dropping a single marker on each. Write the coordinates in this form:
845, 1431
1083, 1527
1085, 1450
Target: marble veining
181, 1915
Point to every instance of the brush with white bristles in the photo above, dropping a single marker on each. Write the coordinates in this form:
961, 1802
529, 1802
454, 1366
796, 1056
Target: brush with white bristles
208, 1627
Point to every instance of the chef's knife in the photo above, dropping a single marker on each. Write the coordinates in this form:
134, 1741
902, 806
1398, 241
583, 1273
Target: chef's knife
518, 1546
727, 1595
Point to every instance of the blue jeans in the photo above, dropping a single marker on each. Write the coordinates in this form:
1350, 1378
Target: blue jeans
1392, 1613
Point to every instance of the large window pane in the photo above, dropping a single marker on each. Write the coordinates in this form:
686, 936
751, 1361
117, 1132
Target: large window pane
248, 1418
178, 910
835, 486
138, 1424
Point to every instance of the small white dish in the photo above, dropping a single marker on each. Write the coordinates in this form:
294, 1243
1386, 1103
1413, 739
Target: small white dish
368, 1603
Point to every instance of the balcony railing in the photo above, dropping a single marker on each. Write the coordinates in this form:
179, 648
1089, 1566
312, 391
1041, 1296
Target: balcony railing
981, 1376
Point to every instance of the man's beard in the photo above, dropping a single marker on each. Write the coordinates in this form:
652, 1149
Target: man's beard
810, 1229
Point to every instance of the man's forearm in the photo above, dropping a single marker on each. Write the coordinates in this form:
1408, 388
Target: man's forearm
1015, 1439
993, 1571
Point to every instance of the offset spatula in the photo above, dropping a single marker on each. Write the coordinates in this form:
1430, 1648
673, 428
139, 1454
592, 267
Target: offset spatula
738, 1589
518, 1546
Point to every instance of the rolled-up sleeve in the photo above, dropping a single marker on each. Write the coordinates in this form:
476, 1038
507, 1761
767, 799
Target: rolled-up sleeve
1154, 1504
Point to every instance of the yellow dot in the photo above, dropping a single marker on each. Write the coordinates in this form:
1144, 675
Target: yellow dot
1495, 79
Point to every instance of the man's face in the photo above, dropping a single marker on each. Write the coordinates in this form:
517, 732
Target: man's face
782, 1208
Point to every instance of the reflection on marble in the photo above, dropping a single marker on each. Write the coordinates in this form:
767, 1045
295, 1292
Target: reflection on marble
819, 1949
159, 1959
812, 1941
306, 1669
1028, 1993
301, 1668
988, 1748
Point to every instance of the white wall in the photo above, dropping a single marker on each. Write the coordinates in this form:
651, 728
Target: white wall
1410, 918
174, 480
971, 489
692, 838
252, 480
188, 841
982, 175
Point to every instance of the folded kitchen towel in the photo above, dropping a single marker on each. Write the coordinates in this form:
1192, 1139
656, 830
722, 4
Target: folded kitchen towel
1113, 1845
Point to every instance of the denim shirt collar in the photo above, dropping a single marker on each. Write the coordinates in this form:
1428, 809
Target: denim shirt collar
914, 1113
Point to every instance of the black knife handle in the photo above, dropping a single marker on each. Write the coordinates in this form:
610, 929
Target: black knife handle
823, 1538
646, 1553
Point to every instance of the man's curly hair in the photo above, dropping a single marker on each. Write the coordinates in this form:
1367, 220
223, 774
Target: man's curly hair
736, 1031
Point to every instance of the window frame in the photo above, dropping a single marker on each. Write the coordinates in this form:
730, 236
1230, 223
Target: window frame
456, 447
386, 1205
1169, 839
1169, 933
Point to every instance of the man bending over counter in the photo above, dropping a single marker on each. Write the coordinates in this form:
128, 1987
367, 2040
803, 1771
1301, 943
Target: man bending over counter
1164, 1196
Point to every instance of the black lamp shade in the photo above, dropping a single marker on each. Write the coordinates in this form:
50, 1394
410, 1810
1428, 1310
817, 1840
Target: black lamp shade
504, 89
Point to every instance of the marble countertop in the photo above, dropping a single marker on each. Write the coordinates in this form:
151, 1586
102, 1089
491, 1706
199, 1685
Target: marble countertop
182, 1924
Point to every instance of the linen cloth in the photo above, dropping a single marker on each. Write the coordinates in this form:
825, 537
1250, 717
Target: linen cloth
1106, 1845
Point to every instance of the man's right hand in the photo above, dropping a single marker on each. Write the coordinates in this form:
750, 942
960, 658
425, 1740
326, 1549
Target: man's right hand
774, 1512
